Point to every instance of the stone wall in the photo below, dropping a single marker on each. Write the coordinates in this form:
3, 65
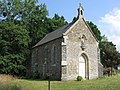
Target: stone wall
100, 70
43, 63
74, 50
77, 40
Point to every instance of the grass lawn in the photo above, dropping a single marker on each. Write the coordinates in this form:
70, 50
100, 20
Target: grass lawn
107, 83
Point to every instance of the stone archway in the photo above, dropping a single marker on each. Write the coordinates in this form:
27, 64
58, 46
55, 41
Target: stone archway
83, 67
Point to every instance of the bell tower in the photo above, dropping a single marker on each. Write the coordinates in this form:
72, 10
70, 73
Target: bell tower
80, 11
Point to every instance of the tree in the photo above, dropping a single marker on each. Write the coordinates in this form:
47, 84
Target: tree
107, 51
22, 24
31, 16
110, 57
95, 30
13, 48
54, 23
12, 10
35, 24
27, 14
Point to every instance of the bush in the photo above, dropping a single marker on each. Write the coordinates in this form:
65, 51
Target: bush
79, 78
36, 75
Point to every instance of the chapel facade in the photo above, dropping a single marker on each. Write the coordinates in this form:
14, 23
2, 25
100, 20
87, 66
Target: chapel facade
68, 52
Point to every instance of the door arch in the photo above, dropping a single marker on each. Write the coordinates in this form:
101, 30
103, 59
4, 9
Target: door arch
83, 67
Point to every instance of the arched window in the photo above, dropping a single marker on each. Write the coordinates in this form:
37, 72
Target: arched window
54, 54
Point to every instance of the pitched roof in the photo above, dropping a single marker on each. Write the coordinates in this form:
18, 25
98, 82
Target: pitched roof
59, 33
54, 35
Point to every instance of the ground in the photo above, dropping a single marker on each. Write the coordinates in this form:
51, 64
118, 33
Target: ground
106, 83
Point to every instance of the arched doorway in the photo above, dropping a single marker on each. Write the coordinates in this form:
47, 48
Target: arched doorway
83, 67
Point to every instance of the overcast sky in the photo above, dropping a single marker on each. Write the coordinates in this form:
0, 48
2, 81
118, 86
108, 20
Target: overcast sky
104, 13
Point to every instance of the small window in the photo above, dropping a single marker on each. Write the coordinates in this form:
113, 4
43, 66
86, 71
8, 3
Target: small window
54, 54
45, 54
81, 12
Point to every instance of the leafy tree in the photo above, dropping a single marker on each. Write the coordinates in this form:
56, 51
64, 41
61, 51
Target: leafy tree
21, 17
54, 23
12, 10
110, 57
23, 24
13, 48
107, 49
35, 24
95, 30
27, 14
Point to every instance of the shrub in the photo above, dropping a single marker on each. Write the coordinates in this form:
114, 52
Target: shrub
36, 75
45, 77
79, 78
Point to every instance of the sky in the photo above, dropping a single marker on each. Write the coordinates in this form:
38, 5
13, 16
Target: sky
103, 13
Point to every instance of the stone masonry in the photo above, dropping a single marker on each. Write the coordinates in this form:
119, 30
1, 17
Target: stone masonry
59, 53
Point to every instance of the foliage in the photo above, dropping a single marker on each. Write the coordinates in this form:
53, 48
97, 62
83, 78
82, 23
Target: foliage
79, 78
110, 57
39, 28
22, 24
36, 75
55, 23
13, 48
35, 24
31, 16
12, 10
27, 14
95, 30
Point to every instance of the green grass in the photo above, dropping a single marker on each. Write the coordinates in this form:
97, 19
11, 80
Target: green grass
107, 83
6, 83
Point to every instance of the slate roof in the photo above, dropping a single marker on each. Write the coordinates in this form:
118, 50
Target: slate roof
54, 35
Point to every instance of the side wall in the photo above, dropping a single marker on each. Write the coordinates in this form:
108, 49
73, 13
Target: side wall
42, 59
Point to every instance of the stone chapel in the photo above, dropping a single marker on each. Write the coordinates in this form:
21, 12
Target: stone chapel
68, 52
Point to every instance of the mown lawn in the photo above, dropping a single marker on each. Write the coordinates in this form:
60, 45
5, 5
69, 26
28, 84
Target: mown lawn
106, 83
